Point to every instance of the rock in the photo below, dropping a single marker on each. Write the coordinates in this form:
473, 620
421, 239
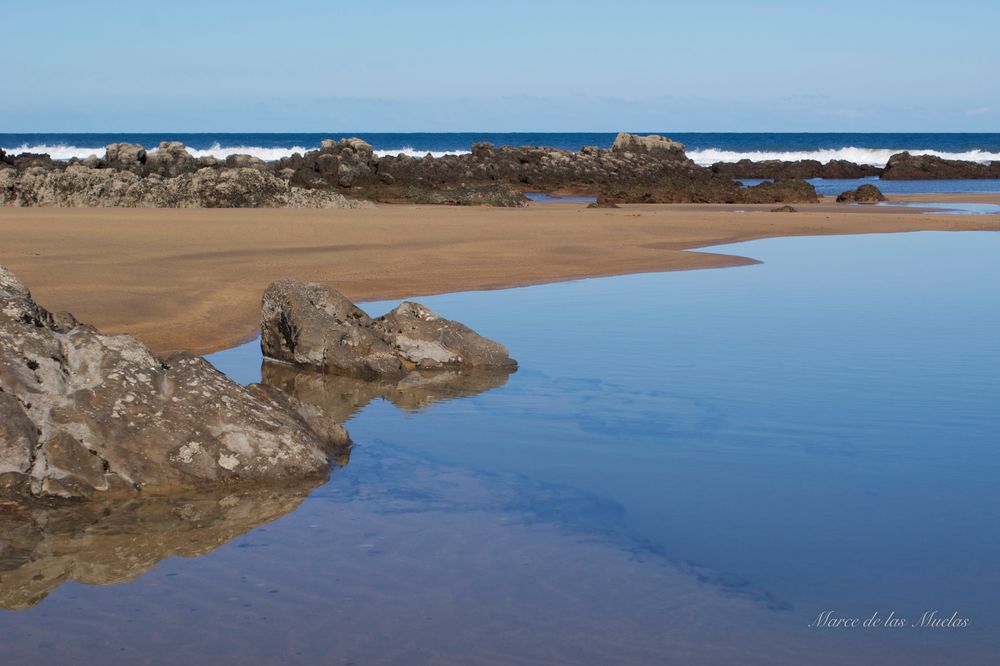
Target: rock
108, 417
842, 169
245, 162
423, 339
79, 186
312, 326
784, 209
712, 189
33, 160
791, 190
904, 166
863, 194
483, 151
653, 143
125, 156
170, 159
778, 169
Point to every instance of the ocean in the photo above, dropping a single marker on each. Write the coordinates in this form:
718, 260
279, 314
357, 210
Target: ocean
703, 148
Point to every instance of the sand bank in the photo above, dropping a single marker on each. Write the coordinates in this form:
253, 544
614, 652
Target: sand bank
192, 278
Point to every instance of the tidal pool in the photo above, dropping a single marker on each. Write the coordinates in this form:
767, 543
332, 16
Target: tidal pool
687, 468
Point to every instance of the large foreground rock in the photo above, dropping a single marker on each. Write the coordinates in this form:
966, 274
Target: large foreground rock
312, 326
84, 414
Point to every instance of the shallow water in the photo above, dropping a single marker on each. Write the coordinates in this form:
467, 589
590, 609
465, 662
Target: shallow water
542, 197
952, 208
687, 467
834, 186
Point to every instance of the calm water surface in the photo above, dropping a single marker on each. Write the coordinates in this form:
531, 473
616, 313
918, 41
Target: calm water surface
687, 468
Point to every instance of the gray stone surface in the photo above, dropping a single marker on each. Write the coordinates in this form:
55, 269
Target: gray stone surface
86, 414
313, 326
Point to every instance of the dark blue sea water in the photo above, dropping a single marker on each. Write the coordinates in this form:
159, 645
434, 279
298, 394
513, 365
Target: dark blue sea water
704, 148
687, 468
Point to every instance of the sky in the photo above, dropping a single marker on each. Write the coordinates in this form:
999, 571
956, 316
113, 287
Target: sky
434, 66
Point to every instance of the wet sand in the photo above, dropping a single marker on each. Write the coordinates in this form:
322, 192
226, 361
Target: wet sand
192, 278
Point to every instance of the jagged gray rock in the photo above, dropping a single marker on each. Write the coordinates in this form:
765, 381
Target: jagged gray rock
312, 326
87, 414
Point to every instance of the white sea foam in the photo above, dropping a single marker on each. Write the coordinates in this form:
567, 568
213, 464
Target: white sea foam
56, 152
707, 156
873, 156
406, 150
63, 152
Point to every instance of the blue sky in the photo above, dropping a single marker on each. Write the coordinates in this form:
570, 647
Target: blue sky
500, 66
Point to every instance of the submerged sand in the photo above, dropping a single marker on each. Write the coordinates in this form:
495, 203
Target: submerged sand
192, 278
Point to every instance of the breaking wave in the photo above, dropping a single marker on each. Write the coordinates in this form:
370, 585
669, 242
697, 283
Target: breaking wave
873, 156
705, 156
268, 154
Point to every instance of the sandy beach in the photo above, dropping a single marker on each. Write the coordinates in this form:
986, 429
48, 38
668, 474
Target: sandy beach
192, 278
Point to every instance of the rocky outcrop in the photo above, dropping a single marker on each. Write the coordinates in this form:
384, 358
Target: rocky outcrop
312, 326
652, 144
86, 415
778, 169
863, 194
904, 166
80, 186
489, 174
491, 194
635, 169
718, 190
780, 191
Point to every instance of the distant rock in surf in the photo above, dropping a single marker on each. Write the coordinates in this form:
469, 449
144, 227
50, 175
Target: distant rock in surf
312, 326
904, 166
775, 169
651, 144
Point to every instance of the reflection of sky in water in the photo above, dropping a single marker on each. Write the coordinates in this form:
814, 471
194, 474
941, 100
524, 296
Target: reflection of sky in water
542, 197
754, 445
792, 422
963, 208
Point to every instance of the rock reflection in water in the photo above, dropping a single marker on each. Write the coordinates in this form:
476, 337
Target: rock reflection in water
343, 397
43, 546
